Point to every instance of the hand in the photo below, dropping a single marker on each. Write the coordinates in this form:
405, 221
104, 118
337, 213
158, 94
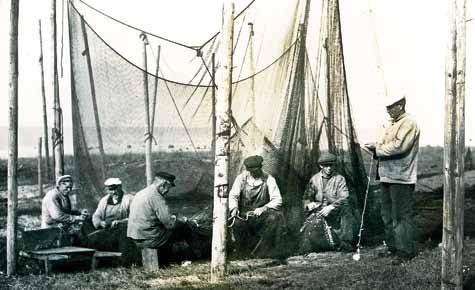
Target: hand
79, 218
234, 212
260, 210
84, 213
311, 206
183, 219
104, 224
326, 210
115, 224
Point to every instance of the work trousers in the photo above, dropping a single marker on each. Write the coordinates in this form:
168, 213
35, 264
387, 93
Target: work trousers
397, 212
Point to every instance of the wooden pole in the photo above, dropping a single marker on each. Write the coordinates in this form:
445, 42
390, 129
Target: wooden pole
12, 186
221, 161
454, 148
53, 152
45, 115
213, 103
155, 91
87, 54
58, 122
40, 179
148, 136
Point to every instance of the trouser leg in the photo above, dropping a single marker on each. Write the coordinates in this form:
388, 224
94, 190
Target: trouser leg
386, 209
402, 197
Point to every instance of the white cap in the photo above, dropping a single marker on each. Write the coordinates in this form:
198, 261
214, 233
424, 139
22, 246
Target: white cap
112, 181
391, 100
63, 177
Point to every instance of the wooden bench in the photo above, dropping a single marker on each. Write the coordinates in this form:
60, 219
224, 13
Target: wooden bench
98, 255
43, 245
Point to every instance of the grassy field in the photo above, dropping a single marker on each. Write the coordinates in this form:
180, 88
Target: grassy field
331, 271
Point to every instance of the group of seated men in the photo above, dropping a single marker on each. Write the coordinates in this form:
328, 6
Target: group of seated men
257, 224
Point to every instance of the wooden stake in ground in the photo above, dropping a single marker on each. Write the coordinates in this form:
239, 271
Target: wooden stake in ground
45, 115
148, 134
58, 124
12, 186
40, 179
454, 148
221, 161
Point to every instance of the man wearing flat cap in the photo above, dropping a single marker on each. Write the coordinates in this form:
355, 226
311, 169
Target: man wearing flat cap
56, 209
151, 225
396, 153
254, 203
326, 199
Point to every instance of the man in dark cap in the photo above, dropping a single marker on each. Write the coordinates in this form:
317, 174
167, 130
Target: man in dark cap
327, 204
397, 153
150, 224
254, 204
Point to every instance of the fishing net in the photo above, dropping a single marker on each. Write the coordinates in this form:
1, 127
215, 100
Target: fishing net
279, 109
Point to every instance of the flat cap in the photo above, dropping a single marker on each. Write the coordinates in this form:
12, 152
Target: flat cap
63, 178
167, 176
112, 181
327, 158
253, 162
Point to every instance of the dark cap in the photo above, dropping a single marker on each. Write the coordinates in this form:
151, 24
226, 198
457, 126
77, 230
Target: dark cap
167, 176
253, 162
327, 158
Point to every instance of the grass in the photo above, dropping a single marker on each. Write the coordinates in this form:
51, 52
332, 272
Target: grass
423, 272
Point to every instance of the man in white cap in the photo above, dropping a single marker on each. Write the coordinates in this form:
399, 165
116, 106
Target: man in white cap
113, 208
254, 204
327, 199
110, 221
396, 153
56, 209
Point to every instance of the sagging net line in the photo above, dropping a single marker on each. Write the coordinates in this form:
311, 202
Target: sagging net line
111, 98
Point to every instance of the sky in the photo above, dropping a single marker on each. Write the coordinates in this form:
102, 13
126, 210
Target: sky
400, 45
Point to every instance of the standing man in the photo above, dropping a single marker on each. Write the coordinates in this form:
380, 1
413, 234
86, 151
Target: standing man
397, 155
326, 200
254, 205
150, 223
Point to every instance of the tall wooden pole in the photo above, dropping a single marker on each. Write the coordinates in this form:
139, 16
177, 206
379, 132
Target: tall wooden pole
97, 121
58, 122
148, 135
40, 173
12, 141
213, 103
454, 145
221, 161
45, 115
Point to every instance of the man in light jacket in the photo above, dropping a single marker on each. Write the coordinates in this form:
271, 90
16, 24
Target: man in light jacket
397, 170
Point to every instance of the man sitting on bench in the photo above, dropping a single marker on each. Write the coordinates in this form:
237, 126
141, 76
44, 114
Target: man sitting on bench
150, 223
56, 211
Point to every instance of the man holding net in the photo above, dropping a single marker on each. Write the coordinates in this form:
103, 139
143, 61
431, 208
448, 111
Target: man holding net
329, 223
397, 170
254, 203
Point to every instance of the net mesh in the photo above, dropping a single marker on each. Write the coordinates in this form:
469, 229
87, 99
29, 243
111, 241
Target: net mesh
279, 108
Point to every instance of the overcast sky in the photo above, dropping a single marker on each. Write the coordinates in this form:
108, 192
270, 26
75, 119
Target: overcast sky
410, 37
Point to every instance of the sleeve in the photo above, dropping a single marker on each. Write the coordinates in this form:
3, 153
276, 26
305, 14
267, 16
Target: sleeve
402, 142
99, 213
274, 194
57, 213
342, 192
163, 213
235, 193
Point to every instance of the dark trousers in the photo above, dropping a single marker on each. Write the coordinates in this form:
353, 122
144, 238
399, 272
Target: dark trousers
258, 236
397, 212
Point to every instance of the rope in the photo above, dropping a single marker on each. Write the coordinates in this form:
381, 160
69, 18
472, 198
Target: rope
364, 205
246, 218
136, 28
